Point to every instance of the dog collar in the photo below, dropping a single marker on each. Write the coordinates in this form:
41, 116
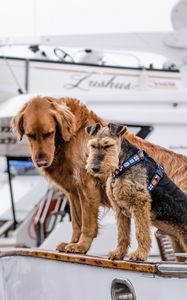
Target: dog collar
135, 159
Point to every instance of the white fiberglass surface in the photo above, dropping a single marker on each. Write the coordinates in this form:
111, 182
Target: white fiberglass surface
13, 105
34, 278
28, 190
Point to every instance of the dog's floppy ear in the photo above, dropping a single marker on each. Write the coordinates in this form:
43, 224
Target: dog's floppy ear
92, 130
65, 120
17, 122
117, 129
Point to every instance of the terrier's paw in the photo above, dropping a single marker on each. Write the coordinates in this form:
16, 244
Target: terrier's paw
76, 248
61, 247
116, 255
138, 255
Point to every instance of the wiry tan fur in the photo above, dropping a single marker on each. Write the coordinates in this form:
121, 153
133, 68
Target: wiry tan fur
128, 196
130, 199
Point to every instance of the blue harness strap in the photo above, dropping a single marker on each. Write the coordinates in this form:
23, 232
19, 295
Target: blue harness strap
135, 159
127, 164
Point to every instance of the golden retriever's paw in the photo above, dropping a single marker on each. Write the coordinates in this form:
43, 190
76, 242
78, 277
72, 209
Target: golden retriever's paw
76, 248
61, 247
138, 255
116, 255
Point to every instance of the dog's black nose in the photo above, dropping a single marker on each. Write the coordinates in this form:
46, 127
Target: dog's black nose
41, 162
95, 169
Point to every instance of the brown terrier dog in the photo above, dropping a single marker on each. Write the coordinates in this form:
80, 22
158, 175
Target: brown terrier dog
161, 202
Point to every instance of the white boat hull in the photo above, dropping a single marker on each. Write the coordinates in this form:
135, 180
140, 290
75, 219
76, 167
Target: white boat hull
44, 279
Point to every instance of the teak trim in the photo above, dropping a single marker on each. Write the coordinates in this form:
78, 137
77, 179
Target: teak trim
146, 267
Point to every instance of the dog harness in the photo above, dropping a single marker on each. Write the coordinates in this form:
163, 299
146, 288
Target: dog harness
135, 159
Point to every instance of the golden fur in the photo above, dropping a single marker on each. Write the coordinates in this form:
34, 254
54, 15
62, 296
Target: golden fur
61, 157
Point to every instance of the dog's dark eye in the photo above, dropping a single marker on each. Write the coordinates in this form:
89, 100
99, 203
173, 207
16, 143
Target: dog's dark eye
93, 146
48, 134
107, 146
31, 136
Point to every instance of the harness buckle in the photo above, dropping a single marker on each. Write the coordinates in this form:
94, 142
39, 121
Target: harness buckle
160, 170
156, 178
141, 154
